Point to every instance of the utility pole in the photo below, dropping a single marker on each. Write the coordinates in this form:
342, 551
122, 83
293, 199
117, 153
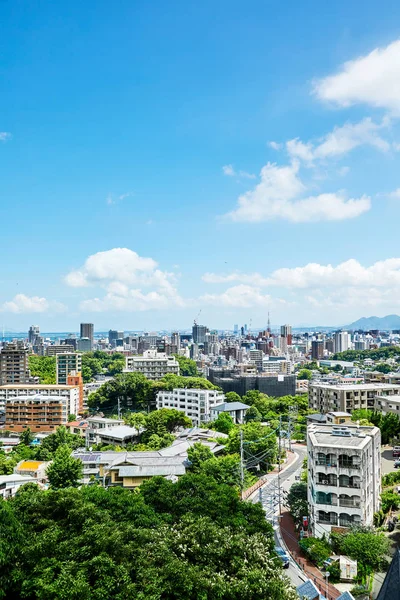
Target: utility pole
119, 408
241, 464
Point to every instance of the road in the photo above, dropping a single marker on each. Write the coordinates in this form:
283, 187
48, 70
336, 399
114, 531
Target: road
287, 478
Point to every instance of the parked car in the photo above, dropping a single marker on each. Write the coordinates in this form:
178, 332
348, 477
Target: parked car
397, 463
396, 450
283, 556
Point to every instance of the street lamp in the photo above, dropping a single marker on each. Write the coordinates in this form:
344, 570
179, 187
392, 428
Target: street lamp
326, 587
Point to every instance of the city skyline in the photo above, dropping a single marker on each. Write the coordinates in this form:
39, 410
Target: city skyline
248, 170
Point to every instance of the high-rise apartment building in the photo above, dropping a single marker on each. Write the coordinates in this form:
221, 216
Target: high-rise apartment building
286, 332
317, 349
33, 334
112, 336
199, 333
342, 341
67, 363
84, 344
344, 476
55, 349
14, 363
176, 340
87, 331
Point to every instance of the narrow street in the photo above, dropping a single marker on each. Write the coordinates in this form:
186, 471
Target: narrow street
287, 478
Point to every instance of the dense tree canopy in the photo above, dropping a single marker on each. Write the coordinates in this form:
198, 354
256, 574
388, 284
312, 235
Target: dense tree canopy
43, 367
187, 366
65, 471
166, 542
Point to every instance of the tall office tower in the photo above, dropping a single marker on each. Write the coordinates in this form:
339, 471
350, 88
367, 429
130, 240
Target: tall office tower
14, 364
286, 331
317, 349
87, 331
235, 329
112, 337
199, 333
67, 363
33, 334
176, 340
283, 344
342, 341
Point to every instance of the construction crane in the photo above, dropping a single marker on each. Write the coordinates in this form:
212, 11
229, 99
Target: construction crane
196, 319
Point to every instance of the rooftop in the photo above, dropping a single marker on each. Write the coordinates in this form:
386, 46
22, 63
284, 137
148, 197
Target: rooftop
30, 465
361, 386
119, 433
36, 386
322, 435
230, 406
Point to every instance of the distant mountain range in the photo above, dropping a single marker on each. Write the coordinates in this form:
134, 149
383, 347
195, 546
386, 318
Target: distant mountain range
382, 323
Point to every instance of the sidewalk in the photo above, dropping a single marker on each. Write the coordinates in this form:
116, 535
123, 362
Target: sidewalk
291, 457
290, 538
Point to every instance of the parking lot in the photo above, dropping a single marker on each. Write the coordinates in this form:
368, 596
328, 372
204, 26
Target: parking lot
387, 460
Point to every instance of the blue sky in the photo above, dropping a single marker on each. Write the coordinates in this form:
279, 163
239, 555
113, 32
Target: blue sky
138, 182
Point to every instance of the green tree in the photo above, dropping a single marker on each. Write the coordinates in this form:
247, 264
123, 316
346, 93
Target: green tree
390, 501
26, 438
232, 397
65, 471
259, 441
133, 390
136, 420
252, 414
116, 367
384, 368
71, 418
197, 455
224, 423
43, 367
297, 501
61, 437
187, 366
366, 546
304, 374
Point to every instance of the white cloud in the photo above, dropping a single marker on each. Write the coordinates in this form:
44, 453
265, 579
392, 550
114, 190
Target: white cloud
275, 145
118, 264
122, 273
340, 141
5, 136
252, 278
373, 79
348, 274
230, 172
297, 149
395, 195
277, 197
31, 304
239, 296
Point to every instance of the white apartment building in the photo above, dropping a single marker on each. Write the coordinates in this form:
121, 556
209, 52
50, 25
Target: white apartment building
388, 404
153, 364
327, 397
70, 392
342, 341
344, 476
195, 403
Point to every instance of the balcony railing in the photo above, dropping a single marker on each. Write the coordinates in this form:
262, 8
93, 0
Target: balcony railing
343, 465
355, 485
324, 463
327, 521
327, 503
326, 482
349, 503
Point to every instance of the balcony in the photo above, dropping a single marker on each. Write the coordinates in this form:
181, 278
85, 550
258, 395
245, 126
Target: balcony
322, 463
349, 503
